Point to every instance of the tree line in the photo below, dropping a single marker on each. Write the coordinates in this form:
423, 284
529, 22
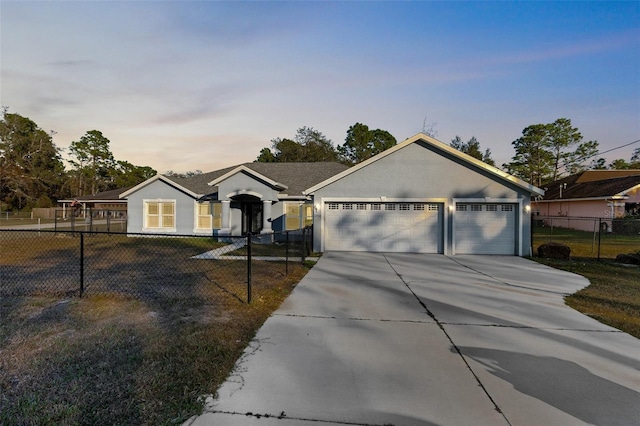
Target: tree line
544, 153
547, 152
33, 174
360, 144
310, 145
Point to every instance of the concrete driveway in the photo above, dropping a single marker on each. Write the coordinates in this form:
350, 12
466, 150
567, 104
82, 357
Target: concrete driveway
403, 339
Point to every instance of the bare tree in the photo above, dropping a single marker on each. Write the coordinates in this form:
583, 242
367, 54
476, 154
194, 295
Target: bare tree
429, 128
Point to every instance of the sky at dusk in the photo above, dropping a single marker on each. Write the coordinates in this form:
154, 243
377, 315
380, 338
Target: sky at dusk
205, 85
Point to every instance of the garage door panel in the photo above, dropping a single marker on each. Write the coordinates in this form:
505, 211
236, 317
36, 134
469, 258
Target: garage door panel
485, 229
384, 227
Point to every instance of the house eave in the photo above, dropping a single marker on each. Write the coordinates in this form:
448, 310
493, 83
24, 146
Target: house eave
239, 169
93, 201
287, 197
163, 179
603, 198
624, 193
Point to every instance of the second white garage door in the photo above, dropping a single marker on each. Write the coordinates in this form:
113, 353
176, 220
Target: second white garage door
383, 227
484, 228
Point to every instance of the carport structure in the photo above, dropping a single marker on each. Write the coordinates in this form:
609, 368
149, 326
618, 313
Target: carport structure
422, 196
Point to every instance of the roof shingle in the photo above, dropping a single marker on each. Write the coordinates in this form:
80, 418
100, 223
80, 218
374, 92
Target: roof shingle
297, 176
592, 185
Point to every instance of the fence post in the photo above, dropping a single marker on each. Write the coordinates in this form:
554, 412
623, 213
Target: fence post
531, 224
286, 253
599, 236
81, 263
593, 240
249, 267
303, 248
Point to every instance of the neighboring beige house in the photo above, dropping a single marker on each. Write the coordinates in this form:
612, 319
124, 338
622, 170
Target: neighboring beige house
602, 194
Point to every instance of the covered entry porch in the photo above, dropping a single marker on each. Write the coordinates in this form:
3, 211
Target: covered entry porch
246, 212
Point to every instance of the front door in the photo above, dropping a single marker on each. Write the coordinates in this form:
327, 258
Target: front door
251, 218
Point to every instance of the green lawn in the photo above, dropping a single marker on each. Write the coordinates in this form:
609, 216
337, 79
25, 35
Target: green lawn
613, 297
8, 223
585, 244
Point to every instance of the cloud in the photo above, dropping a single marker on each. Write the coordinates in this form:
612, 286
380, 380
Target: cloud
157, 77
71, 63
230, 25
570, 50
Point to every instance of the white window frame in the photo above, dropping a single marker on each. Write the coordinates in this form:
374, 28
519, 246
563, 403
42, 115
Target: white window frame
292, 217
216, 215
303, 216
307, 214
160, 228
199, 216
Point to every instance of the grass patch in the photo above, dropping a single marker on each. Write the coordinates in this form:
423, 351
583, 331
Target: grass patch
48, 263
100, 360
156, 329
585, 244
270, 250
613, 297
7, 223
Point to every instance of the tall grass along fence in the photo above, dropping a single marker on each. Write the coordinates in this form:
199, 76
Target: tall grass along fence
89, 220
78, 263
589, 237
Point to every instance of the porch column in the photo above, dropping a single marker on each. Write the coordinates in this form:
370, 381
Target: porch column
226, 217
266, 217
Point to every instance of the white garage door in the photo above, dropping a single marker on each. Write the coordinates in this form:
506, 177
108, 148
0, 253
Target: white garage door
485, 228
383, 227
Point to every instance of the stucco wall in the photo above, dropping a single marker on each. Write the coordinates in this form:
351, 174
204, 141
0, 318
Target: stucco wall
416, 171
420, 171
593, 208
185, 207
243, 182
158, 190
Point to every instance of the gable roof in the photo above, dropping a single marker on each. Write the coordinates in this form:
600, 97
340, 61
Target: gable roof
421, 137
162, 178
110, 196
289, 178
596, 175
244, 169
596, 184
298, 176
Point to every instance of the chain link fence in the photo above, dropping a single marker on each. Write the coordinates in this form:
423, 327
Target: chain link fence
91, 220
589, 237
54, 263
88, 220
